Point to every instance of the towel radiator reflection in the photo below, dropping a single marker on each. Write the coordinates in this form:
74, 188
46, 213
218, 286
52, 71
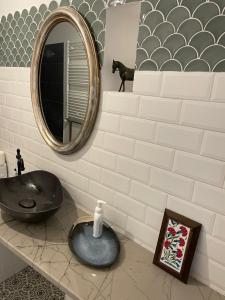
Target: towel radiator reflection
76, 88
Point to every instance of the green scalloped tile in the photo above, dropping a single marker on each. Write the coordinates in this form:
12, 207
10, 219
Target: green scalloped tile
171, 65
16, 15
101, 38
17, 30
178, 15
24, 14
33, 11
90, 17
216, 26
14, 38
148, 65
4, 46
10, 31
25, 59
220, 3
3, 20
28, 20
153, 19
33, 28
141, 55
97, 27
98, 6
220, 67
46, 14
77, 3
190, 27
13, 23
202, 40
198, 65
160, 55
185, 55
221, 40
7, 39
15, 64
9, 18
21, 51
38, 18
29, 36
6, 25
174, 42
22, 64
4, 32
64, 3
102, 16
21, 37
213, 54
163, 30
20, 22
166, 6
206, 12
29, 51
25, 44
11, 59
17, 44
84, 8
24, 28
192, 4
145, 8
150, 44
144, 32
14, 51
42, 9
7, 52
53, 5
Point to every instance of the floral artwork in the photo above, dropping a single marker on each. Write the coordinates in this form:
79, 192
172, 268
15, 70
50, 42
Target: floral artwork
174, 245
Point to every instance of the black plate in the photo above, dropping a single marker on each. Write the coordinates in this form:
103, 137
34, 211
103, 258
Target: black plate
96, 252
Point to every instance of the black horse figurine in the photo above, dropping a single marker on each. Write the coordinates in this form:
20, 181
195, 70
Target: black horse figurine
125, 73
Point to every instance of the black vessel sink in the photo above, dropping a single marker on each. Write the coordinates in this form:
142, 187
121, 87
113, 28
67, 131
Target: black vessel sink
31, 197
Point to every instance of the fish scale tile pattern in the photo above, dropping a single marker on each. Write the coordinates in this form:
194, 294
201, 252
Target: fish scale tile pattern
18, 31
182, 35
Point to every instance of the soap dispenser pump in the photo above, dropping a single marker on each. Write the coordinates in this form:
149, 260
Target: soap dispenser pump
98, 219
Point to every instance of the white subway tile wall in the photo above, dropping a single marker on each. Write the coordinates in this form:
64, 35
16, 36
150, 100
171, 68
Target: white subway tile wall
161, 146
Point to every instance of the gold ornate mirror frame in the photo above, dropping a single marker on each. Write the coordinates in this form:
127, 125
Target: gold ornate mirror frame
66, 14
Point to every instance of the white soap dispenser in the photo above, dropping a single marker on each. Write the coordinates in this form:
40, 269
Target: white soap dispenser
98, 219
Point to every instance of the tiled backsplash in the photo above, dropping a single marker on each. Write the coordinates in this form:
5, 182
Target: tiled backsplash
175, 35
161, 146
18, 30
182, 35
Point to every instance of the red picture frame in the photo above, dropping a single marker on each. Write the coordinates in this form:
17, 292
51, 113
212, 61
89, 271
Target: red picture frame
176, 245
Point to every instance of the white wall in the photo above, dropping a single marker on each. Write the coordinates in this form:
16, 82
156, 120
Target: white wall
164, 149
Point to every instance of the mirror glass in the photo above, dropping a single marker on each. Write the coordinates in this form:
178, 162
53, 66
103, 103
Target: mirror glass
64, 82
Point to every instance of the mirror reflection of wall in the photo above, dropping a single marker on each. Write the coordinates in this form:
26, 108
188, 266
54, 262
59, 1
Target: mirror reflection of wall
64, 82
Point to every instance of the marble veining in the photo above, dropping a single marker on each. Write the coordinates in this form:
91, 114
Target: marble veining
44, 247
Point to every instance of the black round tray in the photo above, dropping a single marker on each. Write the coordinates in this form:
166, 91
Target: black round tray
96, 252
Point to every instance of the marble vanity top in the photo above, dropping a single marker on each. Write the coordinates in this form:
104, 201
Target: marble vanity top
44, 246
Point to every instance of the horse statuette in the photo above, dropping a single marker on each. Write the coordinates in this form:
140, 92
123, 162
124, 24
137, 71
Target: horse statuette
125, 73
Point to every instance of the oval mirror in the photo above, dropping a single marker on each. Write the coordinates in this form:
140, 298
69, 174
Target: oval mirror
65, 80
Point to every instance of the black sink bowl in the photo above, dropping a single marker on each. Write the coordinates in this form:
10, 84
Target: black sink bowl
31, 197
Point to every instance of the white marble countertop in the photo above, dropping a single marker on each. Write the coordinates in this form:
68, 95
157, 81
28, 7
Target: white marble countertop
44, 246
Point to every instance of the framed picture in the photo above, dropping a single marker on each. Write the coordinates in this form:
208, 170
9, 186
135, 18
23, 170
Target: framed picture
176, 245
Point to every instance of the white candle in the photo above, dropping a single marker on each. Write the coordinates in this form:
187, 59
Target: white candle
2, 158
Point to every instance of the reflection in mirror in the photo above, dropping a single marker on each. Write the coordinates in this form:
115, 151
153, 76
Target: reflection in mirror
64, 82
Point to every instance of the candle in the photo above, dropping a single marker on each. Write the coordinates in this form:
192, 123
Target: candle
2, 158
